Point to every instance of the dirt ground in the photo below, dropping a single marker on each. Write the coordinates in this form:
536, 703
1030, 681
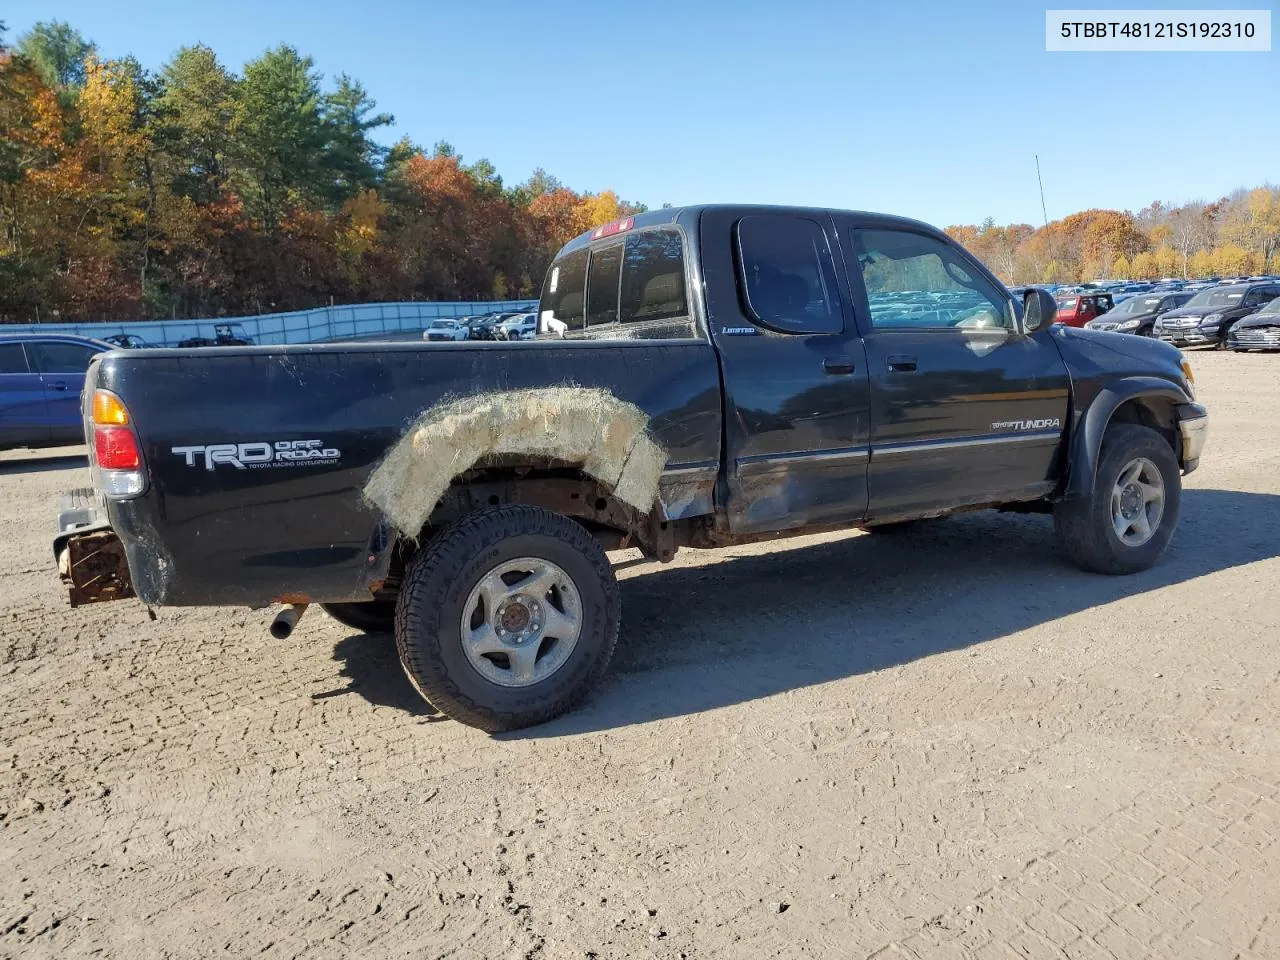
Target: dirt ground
953, 745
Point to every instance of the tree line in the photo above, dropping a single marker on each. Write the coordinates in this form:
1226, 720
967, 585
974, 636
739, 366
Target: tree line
1237, 235
193, 190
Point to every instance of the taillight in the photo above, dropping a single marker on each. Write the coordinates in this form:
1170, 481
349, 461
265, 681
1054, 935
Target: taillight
116, 454
115, 448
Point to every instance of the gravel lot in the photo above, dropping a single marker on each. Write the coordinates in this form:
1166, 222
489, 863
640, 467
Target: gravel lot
952, 745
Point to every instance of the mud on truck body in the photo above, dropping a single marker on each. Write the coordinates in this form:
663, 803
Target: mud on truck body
715, 375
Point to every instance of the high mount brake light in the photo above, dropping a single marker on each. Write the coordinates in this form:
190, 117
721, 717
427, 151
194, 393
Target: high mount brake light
609, 229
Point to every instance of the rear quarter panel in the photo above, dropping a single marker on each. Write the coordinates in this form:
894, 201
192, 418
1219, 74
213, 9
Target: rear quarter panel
254, 535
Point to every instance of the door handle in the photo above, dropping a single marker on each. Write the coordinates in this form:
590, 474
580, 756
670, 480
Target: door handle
837, 365
902, 364
59, 385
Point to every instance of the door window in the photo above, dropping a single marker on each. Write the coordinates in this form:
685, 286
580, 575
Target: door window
12, 359
52, 357
784, 268
916, 281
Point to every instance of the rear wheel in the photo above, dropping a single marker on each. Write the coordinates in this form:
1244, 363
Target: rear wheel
1126, 523
373, 616
508, 618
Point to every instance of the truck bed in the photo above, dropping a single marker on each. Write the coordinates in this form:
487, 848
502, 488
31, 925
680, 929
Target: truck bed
209, 529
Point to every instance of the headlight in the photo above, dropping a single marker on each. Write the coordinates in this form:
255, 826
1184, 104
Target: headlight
1212, 318
1128, 324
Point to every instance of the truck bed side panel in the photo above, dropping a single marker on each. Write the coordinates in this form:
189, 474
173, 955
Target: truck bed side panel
211, 531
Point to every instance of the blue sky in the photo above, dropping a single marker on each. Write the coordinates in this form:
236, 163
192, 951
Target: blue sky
932, 110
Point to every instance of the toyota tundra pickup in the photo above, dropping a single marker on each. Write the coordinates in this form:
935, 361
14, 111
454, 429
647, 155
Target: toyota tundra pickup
716, 375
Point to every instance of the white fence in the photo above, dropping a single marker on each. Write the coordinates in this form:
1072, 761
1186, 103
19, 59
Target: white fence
300, 326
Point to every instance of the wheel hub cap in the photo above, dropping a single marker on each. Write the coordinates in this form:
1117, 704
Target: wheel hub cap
519, 618
1137, 502
521, 622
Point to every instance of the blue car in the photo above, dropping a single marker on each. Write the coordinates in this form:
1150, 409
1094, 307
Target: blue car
41, 377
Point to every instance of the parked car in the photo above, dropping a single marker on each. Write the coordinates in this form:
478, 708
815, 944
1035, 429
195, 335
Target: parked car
41, 377
481, 328
1207, 318
522, 326
446, 329
739, 373
1077, 309
224, 335
1257, 331
129, 341
1138, 314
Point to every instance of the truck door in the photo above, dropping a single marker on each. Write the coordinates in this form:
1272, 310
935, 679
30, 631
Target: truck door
62, 365
964, 408
797, 400
24, 420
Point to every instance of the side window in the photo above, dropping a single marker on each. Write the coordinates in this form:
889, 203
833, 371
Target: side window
564, 293
653, 287
12, 359
914, 280
788, 282
52, 357
602, 284
1254, 298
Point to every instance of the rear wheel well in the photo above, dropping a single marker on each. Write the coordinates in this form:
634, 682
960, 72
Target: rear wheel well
561, 488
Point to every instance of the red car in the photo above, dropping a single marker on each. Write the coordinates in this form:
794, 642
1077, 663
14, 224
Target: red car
1077, 309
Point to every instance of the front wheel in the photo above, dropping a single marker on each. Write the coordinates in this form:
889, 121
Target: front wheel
508, 618
1126, 523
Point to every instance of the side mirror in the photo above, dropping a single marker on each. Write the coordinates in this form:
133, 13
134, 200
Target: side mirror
1039, 310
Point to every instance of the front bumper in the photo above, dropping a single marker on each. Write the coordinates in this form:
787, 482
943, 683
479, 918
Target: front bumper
1193, 427
1188, 337
1254, 338
90, 557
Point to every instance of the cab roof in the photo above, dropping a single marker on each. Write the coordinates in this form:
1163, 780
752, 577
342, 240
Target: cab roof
689, 215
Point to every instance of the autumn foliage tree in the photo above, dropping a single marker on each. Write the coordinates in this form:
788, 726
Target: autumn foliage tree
1236, 235
196, 191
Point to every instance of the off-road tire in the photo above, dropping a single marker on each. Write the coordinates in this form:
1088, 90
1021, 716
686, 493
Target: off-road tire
436, 587
1084, 525
373, 616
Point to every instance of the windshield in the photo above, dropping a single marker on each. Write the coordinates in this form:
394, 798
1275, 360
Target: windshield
1217, 298
1069, 303
1271, 308
1136, 305
443, 323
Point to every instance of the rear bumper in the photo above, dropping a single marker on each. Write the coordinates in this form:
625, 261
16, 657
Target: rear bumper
91, 559
1193, 427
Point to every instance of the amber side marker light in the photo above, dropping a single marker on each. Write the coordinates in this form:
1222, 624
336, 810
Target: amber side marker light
108, 410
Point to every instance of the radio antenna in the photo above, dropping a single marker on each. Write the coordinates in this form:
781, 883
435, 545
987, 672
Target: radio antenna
1043, 209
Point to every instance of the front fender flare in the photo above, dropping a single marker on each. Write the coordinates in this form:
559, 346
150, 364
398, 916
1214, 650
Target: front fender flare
1091, 424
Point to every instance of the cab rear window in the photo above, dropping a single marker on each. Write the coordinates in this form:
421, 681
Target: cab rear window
630, 287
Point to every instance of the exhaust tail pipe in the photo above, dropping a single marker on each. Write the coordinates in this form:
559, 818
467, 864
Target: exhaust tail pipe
282, 626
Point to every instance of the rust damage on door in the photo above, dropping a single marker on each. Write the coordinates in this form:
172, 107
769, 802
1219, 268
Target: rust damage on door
94, 568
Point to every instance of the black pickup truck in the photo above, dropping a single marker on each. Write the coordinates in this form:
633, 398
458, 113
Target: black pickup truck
714, 375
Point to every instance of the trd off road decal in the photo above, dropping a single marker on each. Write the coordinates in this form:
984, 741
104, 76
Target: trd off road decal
259, 454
